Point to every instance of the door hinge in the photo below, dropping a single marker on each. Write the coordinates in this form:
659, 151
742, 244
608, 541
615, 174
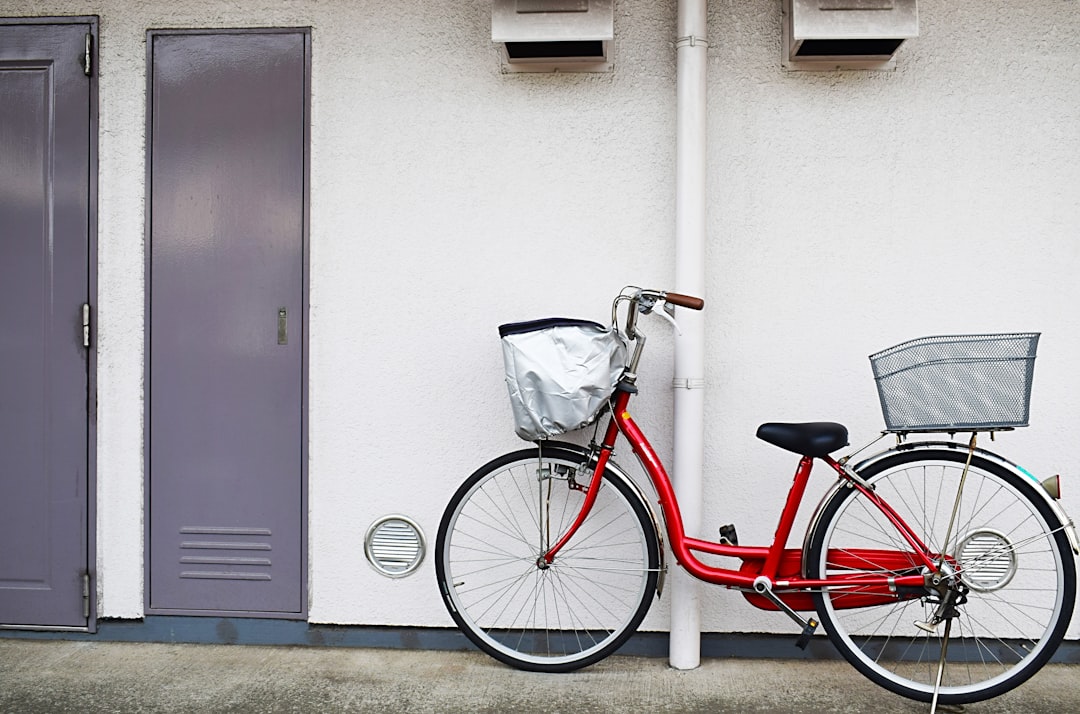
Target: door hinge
88, 53
86, 324
86, 595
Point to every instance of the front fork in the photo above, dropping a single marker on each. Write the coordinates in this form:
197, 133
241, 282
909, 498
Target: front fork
546, 475
597, 462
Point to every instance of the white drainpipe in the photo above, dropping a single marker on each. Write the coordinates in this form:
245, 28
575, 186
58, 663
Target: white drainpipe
691, 64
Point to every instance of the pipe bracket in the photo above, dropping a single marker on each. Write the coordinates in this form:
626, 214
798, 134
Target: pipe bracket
691, 41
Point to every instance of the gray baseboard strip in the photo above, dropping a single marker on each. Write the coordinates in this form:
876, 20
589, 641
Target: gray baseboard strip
256, 631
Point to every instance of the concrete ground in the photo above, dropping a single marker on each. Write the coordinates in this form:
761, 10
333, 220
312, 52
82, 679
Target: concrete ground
38, 676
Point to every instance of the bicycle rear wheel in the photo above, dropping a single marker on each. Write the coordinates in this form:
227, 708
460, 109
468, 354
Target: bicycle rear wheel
571, 613
1014, 562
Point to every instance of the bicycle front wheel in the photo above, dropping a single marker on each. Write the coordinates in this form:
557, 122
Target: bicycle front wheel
1017, 576
533, 616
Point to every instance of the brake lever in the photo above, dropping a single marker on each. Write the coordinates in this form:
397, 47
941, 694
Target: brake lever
667, 316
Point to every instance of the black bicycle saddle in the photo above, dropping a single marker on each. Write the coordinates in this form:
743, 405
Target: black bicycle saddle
817, 438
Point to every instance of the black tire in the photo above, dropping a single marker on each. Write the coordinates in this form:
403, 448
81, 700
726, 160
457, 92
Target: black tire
1013, 555
579, 609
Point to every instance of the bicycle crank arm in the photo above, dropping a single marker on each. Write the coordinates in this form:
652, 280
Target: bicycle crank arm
763, 587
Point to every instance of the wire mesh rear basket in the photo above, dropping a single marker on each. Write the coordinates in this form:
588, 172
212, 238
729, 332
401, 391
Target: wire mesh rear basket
956, 383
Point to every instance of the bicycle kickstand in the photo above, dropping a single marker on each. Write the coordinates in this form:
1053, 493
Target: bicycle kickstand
941, 664
763, 587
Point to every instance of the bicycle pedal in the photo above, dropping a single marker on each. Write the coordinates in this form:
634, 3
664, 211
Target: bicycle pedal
807, 633
728, 535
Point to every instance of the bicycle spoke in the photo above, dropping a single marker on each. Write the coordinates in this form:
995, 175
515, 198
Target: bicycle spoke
535, 615
1017, 577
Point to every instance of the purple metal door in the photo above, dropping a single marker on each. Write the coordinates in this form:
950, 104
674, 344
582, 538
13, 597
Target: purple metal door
45, 231
227, 169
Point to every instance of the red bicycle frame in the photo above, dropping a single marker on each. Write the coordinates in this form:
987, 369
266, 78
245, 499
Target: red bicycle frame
781, 565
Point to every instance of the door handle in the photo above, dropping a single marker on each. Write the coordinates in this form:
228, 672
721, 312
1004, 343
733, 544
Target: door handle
282, 326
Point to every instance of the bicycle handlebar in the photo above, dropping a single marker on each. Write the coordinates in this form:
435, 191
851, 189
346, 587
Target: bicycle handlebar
643, 301
687, 301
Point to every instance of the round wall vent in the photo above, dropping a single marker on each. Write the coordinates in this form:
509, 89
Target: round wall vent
394, 545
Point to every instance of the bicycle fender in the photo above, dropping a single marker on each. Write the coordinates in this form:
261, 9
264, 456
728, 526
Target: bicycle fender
617, 471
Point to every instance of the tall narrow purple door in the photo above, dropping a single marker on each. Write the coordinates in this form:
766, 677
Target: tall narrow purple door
45, 214
227, 156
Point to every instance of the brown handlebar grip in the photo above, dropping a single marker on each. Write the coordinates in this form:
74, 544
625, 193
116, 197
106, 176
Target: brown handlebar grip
689, 301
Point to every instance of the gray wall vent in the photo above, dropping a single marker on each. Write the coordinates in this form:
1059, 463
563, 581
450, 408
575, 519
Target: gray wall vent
395, 546
554, 35
846, 34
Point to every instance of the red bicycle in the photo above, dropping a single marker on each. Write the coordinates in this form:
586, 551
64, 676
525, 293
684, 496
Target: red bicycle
941, 571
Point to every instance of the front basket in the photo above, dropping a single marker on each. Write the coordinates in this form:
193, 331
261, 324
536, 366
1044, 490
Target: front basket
559, 373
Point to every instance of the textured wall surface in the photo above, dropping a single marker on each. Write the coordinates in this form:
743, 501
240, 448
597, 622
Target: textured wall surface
848, 212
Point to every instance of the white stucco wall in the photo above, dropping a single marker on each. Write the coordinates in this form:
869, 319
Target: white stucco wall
853, 211
848, 212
